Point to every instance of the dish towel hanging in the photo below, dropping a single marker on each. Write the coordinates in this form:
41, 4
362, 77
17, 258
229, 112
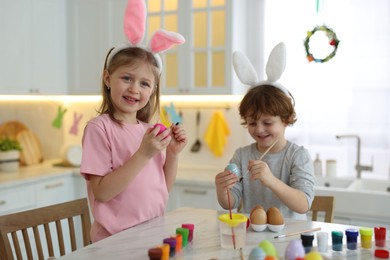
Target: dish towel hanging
216, 134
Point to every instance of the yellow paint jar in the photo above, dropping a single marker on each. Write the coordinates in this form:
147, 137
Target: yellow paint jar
366, 237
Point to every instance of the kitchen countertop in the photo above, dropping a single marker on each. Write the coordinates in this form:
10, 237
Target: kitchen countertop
135, 242
32, 173
47, 169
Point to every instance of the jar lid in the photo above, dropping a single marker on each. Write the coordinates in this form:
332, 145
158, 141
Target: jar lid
366, 231
381, 253
188, 225
352, 232
155, 253
337, 234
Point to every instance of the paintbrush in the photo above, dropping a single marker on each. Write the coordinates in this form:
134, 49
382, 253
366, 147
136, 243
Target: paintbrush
231, 217
269, 148
298, 232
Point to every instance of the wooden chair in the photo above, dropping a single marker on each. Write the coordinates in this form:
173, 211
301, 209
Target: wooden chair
32, 221
323, 204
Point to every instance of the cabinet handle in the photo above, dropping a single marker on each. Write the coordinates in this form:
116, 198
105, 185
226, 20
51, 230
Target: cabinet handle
197, 192
3, 202
54, 185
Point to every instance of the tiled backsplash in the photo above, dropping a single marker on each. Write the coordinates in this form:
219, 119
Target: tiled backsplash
38, 115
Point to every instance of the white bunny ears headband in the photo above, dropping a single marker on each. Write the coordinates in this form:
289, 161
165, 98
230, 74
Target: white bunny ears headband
274, 69
134, 28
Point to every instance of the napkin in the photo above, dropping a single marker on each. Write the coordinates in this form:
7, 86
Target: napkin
216, 134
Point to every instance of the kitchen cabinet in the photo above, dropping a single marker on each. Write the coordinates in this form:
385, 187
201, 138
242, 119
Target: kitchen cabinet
213, 29
201, 66
197, 196
54, 190
32, 48
17, 198
93, 28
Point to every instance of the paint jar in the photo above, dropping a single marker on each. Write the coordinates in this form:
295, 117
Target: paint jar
380, 236
307, 241
232, 230
352, 234
172, 245
190, 228
165, 251
179, 242
366, 237
322, 241
337, 240
155, 253
184, 232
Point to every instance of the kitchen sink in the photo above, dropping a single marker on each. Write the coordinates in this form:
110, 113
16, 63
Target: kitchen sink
360, 198
370, 185
332, 182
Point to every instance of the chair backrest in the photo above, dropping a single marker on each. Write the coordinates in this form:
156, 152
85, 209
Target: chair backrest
32, 221
323, 204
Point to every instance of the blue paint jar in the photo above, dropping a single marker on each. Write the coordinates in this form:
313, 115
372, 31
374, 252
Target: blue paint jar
352, 237
337, 240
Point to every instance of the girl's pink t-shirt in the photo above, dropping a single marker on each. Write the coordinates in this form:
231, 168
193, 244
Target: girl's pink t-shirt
107, 146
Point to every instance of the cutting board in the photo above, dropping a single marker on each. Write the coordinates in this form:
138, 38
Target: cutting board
31, 148
11, 129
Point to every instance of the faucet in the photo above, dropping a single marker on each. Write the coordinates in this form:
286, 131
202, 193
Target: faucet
359, 168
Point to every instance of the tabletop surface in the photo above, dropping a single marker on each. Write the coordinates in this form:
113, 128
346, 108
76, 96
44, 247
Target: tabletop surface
135, 242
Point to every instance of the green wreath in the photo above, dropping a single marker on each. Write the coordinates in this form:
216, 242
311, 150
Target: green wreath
333, 41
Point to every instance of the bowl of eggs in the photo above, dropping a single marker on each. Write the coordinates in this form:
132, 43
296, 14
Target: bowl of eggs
275, 219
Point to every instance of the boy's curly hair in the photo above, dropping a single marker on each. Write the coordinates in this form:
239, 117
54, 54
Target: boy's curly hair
268, 100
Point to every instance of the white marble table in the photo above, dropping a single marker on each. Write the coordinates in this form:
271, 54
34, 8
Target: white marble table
135, 242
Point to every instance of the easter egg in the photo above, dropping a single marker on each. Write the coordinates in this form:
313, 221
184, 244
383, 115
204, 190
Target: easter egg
258, 216
256, 254
294, 250
313, 256
274, 216
162, 128
268, 248
234, 169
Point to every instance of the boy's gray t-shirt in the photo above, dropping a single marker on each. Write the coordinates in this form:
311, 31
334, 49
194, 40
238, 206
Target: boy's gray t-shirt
292, 165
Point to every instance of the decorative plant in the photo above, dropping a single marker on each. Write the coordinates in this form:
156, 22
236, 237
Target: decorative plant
7, 144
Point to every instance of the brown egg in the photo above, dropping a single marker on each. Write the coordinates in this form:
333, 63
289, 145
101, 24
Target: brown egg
274, 216
258, 216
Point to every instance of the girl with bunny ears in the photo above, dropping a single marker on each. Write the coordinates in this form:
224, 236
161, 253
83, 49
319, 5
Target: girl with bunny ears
275, 172
129, 165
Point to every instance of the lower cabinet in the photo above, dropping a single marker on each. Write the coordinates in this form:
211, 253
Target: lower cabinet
43, 192
183, 195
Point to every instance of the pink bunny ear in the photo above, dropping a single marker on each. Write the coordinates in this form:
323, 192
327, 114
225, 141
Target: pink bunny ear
135, 20
163, 40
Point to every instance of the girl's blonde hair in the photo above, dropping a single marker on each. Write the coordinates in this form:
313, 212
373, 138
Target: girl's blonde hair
129, 57
269, 100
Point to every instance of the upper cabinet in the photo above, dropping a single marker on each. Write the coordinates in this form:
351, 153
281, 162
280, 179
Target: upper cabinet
59, 47
32, 47
213, 29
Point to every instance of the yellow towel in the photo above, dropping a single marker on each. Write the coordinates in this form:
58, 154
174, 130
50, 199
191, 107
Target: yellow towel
216, 134
164, 118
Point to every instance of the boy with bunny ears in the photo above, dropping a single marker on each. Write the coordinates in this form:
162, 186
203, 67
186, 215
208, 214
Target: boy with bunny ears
129, 165
283, 177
